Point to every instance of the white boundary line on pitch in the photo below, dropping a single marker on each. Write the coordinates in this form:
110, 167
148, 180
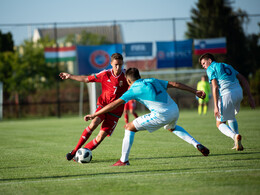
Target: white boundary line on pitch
115, 176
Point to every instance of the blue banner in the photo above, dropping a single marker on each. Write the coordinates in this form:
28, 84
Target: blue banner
138, 49
93, 59
174, 54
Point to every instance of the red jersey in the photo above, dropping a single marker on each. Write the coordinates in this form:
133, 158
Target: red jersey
113, 88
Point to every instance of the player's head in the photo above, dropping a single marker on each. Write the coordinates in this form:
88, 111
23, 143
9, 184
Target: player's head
116, 56
117, 63
132, 74
204, 78
206, 59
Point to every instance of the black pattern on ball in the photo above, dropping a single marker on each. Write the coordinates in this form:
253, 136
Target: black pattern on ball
86, 154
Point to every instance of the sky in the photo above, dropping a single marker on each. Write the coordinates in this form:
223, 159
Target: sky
51, 11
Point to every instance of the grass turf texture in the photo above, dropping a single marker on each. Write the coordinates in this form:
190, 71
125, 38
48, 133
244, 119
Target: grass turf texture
33, 161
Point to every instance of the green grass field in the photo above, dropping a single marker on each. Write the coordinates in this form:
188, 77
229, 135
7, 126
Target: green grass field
33, 161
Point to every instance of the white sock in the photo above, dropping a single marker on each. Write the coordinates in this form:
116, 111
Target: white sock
226, 130
183, 134
233, 125
127, 144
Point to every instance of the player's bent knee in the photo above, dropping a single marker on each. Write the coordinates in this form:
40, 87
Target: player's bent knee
94, 123
130, 127
100, 137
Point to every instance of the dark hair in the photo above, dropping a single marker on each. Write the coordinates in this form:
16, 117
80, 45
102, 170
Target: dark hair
205, 77
207, 56
133, 74
116, 56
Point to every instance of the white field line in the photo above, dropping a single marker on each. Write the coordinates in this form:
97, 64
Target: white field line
92, 176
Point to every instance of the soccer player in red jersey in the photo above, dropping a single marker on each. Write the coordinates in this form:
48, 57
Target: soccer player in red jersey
130, 106
114, 84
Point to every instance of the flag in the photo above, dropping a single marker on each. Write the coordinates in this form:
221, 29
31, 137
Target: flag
93, 59
215, 46
174, 54
60, 54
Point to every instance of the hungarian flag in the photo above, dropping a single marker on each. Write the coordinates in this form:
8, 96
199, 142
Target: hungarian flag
215, 46
60, 54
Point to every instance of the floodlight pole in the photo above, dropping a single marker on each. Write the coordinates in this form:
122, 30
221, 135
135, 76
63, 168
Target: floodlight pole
115, 33
174, 29
57, 70
174, 39
1, 101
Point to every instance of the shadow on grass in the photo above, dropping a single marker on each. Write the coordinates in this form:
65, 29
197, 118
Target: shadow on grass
129, 173
184, 156
138, 171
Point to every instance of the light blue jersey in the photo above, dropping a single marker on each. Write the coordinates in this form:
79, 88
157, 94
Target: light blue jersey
225, 76
152, 93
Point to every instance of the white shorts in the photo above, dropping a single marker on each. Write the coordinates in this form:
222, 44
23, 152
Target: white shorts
154, 121
229, 104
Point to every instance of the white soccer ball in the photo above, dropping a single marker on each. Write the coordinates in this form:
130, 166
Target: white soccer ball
83, 155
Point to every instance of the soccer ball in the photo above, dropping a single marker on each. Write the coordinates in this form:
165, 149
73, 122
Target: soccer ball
83, 155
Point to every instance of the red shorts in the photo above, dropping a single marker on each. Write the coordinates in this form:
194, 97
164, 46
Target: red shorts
109, 121
130, 105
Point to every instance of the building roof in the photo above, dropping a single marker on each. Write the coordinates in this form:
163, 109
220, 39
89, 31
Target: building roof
107, 31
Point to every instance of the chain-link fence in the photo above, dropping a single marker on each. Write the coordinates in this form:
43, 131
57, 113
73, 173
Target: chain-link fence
119, 31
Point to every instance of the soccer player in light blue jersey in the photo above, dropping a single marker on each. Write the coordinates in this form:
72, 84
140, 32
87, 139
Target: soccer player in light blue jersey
227, 94
164, 111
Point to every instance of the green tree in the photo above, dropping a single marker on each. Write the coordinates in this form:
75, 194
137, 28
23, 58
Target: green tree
86, 38
217, 19
6, 42
24, 70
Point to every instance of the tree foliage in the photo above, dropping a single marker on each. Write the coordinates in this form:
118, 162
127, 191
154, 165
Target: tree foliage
6, 42
86, 38
24, 70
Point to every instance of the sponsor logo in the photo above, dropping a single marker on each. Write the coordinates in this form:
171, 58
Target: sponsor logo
120, 83
99, 59
161, 55
202, 44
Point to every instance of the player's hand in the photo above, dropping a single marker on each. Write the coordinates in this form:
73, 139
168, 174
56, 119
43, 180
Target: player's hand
251, 103
216, 112
89, 117
64, 75
201, 94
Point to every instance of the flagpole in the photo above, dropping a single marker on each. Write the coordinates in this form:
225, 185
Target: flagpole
57, 69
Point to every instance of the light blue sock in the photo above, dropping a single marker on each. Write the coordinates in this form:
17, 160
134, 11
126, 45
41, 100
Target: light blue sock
183, 134
233, 125
227, 131
127, 144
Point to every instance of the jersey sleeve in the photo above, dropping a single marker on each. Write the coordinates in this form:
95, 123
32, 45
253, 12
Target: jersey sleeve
163, 83
211, 74
96, 77
234, 70
128, 95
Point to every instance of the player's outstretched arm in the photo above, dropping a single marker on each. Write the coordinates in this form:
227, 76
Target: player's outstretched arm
215, 97
113, 105
200, 94
246, 87
65, 75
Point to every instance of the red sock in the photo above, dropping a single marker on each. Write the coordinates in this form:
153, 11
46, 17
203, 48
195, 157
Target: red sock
126, 117
135, 115
92, 144
83, 138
